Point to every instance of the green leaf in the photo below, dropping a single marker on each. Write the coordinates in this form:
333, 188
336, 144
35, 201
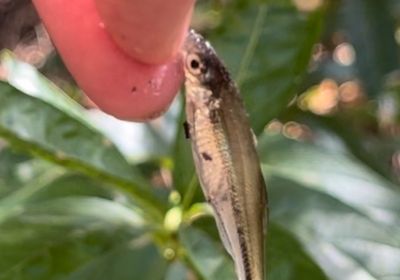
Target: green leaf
184, 174
352, 138
66, 228
71, 185
286, 259
28, 80
126, 263
140, 142
371, 29
53, 129
206, 256
13, 203
9, 163
52, 183
345, 215
177, 271
268, 47
182, 155
53, 238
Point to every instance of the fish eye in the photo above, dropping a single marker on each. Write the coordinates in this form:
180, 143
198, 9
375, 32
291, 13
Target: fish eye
194, 64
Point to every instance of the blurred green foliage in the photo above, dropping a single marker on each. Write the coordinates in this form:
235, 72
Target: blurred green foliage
321, 83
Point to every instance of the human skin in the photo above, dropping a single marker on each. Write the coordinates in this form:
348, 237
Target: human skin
152, 32
108, 45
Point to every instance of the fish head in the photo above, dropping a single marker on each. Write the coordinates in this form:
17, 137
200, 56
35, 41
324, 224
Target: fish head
202, 66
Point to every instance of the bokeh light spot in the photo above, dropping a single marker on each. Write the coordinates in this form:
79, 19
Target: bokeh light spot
344, 54
308, 5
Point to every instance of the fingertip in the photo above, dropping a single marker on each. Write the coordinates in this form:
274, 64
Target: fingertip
151, 31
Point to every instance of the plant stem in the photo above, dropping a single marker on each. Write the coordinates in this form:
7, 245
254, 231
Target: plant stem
187, 200
252, 44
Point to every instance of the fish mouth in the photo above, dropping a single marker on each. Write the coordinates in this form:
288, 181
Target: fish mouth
195, 43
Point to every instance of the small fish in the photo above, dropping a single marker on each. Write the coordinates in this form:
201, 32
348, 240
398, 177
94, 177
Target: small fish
225, 156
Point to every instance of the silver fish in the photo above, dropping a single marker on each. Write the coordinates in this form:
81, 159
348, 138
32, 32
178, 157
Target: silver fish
225, 156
